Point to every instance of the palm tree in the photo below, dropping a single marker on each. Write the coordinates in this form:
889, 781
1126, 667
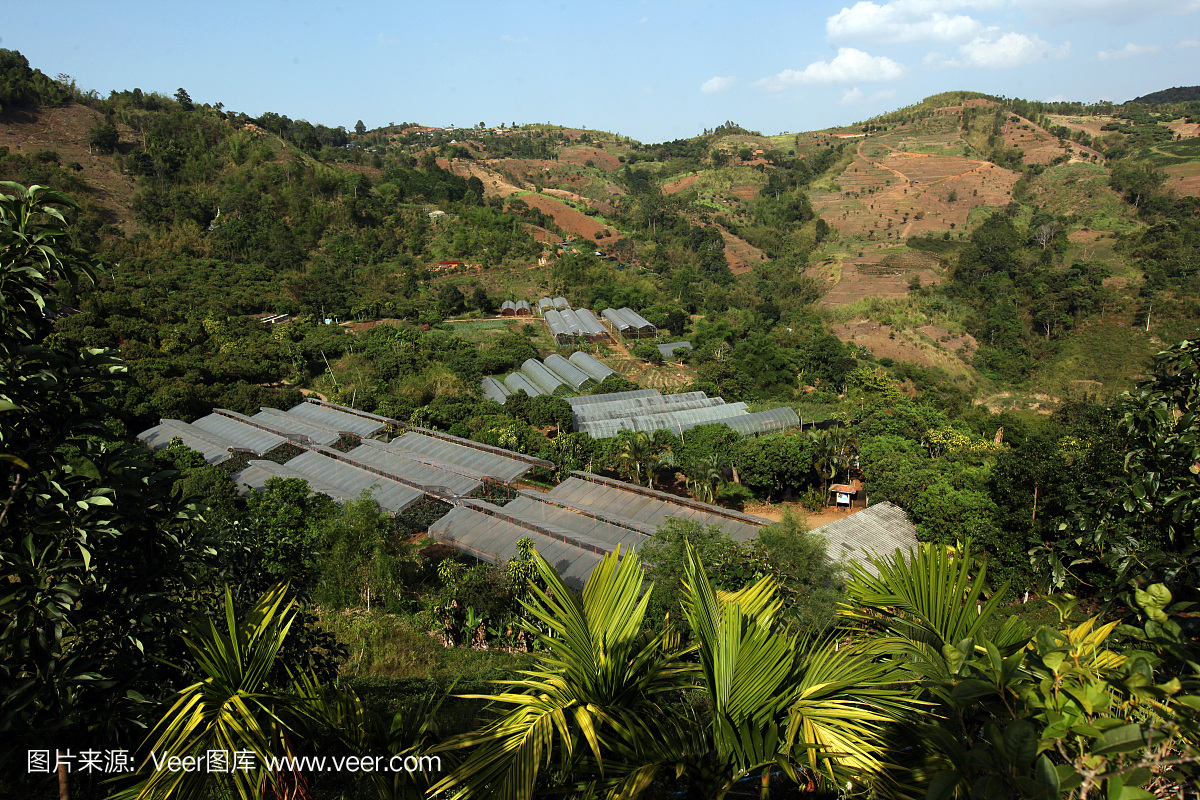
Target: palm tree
232, 709
598, 697
597, 706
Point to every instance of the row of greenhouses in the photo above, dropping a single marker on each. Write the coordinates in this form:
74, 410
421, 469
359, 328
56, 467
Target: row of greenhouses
553, 375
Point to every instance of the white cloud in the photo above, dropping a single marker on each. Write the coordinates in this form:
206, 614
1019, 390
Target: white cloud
385, 41
900, 22
848, 65
717, 84
852, 96
1005, 51
1128, 51
1188, 43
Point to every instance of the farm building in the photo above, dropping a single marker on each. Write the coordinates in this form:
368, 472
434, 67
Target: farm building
523, 309
576, 378
605, 416
881, 529
628, 322
593, 366
558, 328
423, 473
668, 350
518, 309
494, 390
541, 377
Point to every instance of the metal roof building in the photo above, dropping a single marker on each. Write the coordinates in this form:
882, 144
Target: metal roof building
573, 375
591, 365
494, 390
541, 377
518, 382
879, 529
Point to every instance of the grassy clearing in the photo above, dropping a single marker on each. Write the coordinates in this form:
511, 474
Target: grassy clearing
395, 646
903, 313
1106, 356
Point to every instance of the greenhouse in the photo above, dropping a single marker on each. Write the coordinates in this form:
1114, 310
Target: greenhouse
214, 449
518, 383
573, 375
593, 366
494, 390
628, 322
558, 328
333, 416
475, 457
246, 436
541, 377
668, 350
290, 425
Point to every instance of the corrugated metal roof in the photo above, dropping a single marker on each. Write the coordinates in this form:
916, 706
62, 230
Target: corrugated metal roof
479, 461
541, 377
240, 433
880, 529
591, 365
668, 350
494, 390
214, 449
518, 382
289, 423
621, 501
391, 495
336, 418
589, 399
573, 375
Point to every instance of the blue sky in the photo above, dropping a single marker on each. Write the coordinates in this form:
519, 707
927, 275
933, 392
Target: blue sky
651, 70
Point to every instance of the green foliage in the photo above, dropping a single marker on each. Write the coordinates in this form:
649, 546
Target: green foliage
776, 465
361, 560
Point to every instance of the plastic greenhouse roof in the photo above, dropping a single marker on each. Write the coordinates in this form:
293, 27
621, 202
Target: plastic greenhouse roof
336, 418
594, 367
545, 303
561, 302
589, 399
508, 305
632, 406
570, 373
516, 382
590, 324
494, 540
494, 390
618, 319
391, 495
777, 419
289, 423
214, 449
601, 533
439, 481
240, 433
257, 473
667, 420
571, 321
481, 462
637, 319
668, 350
541, 377
623, 501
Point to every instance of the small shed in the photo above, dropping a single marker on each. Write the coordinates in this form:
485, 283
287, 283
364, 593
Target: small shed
847, 495
522, 309
508, 309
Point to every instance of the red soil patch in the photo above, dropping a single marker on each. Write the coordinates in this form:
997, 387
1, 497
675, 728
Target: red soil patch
1039, 146
64, 130
740, 255
1184, 178
581, 155
569, 219
680, 184
867, 279
1187, 130
906, 346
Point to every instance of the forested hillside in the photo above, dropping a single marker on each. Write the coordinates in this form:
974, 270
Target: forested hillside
983, 309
